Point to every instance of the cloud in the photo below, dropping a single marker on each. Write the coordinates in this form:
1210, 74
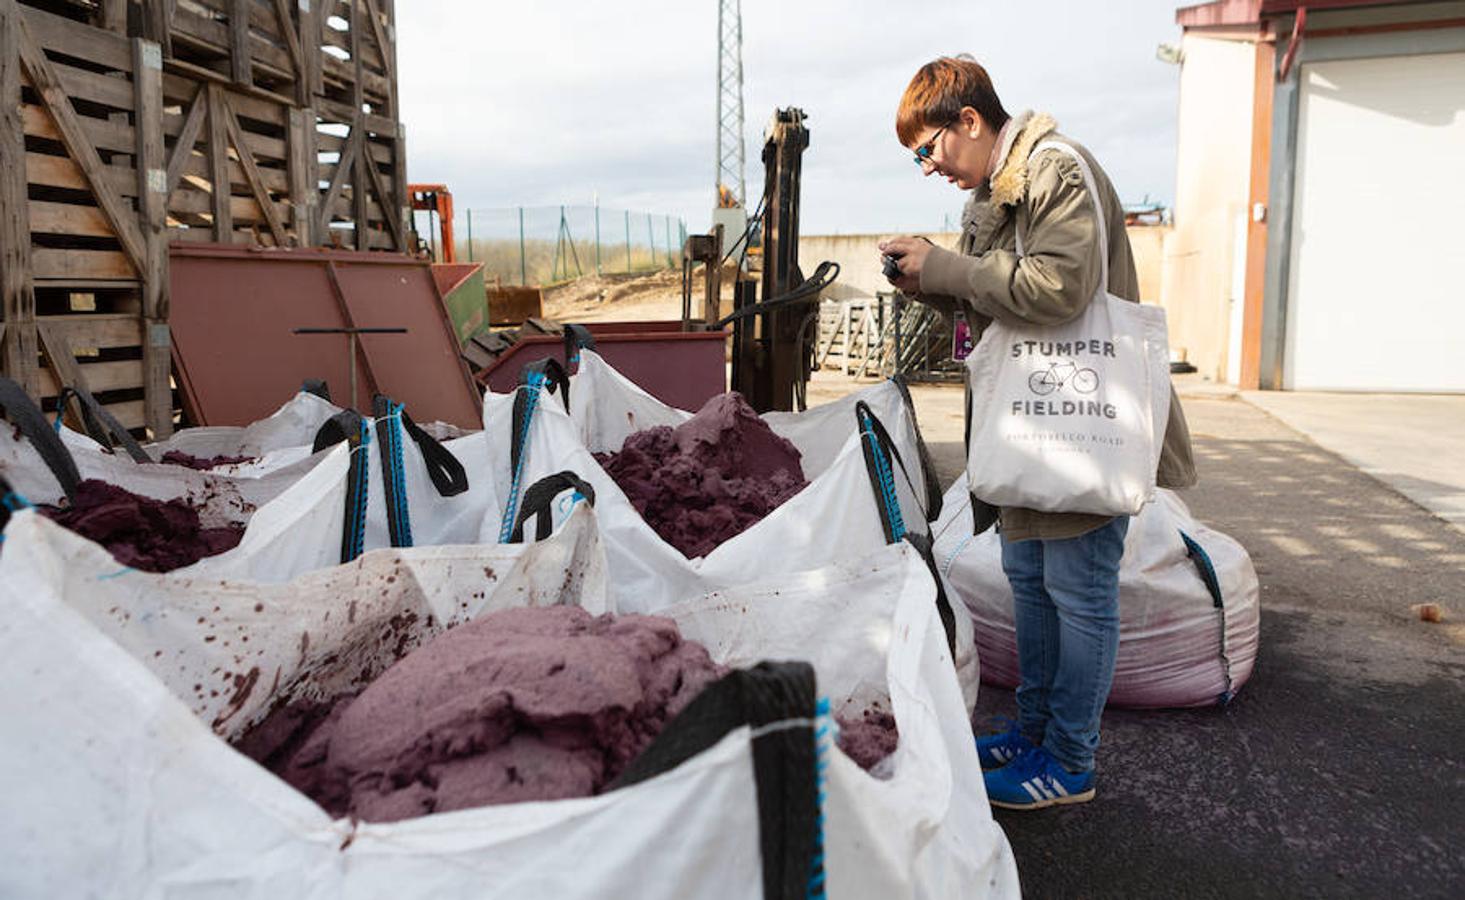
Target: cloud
523, 104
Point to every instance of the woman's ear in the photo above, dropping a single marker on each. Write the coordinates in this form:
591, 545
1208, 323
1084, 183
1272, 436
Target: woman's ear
972, 122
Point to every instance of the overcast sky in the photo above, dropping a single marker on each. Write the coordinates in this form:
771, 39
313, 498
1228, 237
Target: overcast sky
540, 104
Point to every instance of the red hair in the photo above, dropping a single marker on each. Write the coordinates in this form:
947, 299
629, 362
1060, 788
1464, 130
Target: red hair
938, 92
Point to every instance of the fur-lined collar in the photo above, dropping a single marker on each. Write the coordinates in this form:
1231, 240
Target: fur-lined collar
1010, 181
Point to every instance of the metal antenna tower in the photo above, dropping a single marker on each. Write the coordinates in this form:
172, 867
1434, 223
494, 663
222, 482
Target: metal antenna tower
730, 98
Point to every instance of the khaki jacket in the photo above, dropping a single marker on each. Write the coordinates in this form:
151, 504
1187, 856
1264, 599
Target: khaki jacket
1045, 196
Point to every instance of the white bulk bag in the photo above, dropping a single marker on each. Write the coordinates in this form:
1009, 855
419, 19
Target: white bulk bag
222, 495
118, 786
287, 432
294, 516
1179, 645
837, 516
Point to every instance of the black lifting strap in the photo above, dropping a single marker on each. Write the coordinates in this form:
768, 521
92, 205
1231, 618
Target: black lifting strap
928, 465
538, 498
318, 387
553, 373
100, 425
21, 411
445, 470
923, 545
785, 761
577, 338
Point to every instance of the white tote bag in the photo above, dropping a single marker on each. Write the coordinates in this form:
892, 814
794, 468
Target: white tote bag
1071, 417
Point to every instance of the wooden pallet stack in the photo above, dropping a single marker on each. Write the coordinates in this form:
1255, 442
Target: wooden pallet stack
129, 124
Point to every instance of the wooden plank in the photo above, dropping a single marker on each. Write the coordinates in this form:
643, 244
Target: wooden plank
81, 84
157, 350
152, 172
358, 181
60, 358
62, 172
180, 88
155, 16
187, 138
292, 44
17, 294
378, 151
343, 168
43, 79
114, 16
78, 39
239, 55
198, 165
68, 218
117, 375
242, 210
103, 265
100, 331
384, 48
251, 174
103, 134
389, 203
219, 165
310, 41
403, 212
304, 174
189, 29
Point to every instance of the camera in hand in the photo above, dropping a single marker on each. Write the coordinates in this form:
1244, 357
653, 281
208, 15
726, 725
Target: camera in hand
889, 266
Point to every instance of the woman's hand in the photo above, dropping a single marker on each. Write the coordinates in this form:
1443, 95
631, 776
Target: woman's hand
910, 253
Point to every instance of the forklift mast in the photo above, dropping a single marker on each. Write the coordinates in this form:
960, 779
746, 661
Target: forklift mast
770, 347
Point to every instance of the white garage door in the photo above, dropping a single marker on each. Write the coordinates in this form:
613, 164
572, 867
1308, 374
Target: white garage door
1377, 294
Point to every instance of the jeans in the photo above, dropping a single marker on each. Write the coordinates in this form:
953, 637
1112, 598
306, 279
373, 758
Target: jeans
1066, 598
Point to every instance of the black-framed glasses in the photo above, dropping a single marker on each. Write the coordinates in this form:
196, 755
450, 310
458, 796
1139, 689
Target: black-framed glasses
923, 152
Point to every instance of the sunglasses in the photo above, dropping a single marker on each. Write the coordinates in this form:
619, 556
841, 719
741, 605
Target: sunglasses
923, 152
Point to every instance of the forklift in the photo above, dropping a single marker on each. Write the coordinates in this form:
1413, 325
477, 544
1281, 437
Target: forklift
773, 338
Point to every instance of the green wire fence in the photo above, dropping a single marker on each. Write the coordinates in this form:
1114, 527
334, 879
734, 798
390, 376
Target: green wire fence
550, 244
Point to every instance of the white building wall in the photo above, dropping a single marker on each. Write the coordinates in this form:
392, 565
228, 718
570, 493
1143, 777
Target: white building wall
1198, 283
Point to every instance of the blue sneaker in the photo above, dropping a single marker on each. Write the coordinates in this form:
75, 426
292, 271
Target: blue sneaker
997, 750
1035, 780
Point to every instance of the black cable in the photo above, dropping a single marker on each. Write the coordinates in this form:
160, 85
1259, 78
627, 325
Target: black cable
824, 275
752, 221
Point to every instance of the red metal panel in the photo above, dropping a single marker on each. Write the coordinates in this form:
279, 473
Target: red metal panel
681, 369
233, 313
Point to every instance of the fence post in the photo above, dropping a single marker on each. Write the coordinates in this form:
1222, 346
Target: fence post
470, 235
597, 234
668, 242
651, 240
523, 279
628, 240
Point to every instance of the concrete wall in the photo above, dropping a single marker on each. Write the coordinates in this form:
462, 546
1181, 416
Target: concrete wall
858, 256
1204, 254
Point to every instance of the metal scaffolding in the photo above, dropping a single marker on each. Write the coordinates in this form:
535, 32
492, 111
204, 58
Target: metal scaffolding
730, 155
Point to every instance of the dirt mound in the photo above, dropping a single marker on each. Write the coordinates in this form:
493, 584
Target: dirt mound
147, 534
709, 478
520, 705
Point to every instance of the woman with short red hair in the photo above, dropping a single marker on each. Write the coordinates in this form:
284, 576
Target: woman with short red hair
1063, 566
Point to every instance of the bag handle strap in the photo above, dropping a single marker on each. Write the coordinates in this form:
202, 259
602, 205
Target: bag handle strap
577, 338
349, 427
1092, 186
100, 425
540, 495
445, 470
934, 498
21, 411
318, 387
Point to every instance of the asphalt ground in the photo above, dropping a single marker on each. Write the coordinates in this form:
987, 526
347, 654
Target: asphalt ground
1339, 769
